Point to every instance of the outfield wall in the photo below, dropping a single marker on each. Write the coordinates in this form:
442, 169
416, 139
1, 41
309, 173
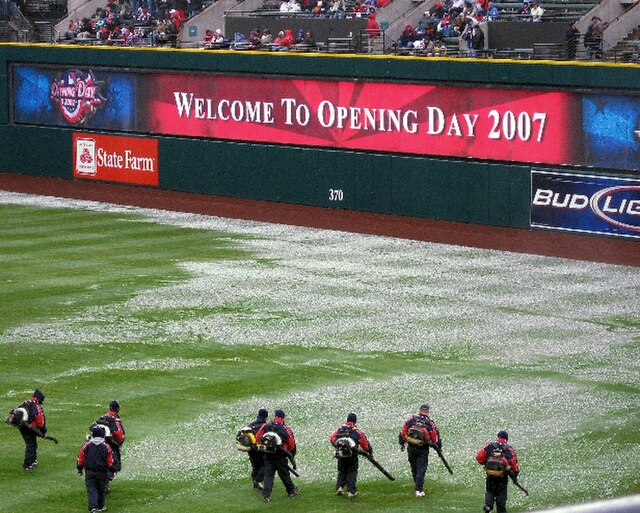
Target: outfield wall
503, 143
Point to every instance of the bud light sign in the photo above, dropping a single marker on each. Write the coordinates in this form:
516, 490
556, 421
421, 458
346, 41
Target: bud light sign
585, 203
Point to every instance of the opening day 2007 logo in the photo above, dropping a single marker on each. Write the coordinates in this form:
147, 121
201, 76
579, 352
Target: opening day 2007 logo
77, 95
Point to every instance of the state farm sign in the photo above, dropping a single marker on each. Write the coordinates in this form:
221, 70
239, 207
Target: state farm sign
112, 158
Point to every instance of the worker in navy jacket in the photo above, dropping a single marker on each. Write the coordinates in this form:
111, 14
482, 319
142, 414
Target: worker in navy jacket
257, 457
419, 431
117, 435
499, 459
33, 425
96, 459
276, 455
347, 440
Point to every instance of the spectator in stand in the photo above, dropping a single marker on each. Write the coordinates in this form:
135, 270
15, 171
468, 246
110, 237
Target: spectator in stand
136, 37
278, 39
159, 35
320, 8
299, 37
290, 6
370, 6
407, 37
445, 28
572, 39
219, 37
536, 12
267, 38
143, 16
438, 11
468, 9
477, 40
287, 41
193, 7
439, 48
373, 27
103, 35
457, 7
207, 40
72, 30
593, 38
124, 9
493, 13
336, 9
255, 38
524, 13
309, 39
358, 9
478, 11
467, 36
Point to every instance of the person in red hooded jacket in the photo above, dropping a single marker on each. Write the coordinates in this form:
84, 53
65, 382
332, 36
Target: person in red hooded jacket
373, 27
287, 41
499, 459
278, 444
32, 425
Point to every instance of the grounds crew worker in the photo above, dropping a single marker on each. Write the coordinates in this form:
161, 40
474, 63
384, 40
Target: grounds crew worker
346, 439
33, 424
96, 459
278, 443
257, 457
418, 431
116, 439
498, 459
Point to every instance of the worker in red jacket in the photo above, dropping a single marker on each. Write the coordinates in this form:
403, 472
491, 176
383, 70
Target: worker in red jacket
96, 460
419, 431
117, 435
31, 422
346, 440
499, 459
276, 440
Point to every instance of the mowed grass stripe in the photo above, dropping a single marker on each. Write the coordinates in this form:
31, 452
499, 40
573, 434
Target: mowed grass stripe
84, 258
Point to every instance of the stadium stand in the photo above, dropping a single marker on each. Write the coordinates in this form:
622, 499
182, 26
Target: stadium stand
339, 28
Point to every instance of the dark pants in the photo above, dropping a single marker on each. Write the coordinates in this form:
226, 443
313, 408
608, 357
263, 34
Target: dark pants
419, 460
276, 463
496, 491
115, 450
96, 483
257, 466
347, 473
31, 446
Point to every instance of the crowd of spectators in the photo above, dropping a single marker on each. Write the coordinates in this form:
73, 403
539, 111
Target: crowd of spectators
338, 9
450, 19
133, 22
284, 40
262, 39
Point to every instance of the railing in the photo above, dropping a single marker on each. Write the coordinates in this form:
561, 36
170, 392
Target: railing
25, 29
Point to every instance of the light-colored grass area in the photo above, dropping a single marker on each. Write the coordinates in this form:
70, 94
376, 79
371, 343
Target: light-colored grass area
192, 323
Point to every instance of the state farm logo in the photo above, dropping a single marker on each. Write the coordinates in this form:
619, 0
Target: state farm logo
618, 206
77, 95
116, 158
86, 157
125, 160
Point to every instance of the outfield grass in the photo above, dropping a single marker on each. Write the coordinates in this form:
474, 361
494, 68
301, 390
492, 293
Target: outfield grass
192, 323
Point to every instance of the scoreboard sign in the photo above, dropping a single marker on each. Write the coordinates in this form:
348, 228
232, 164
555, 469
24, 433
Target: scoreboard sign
526, 125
